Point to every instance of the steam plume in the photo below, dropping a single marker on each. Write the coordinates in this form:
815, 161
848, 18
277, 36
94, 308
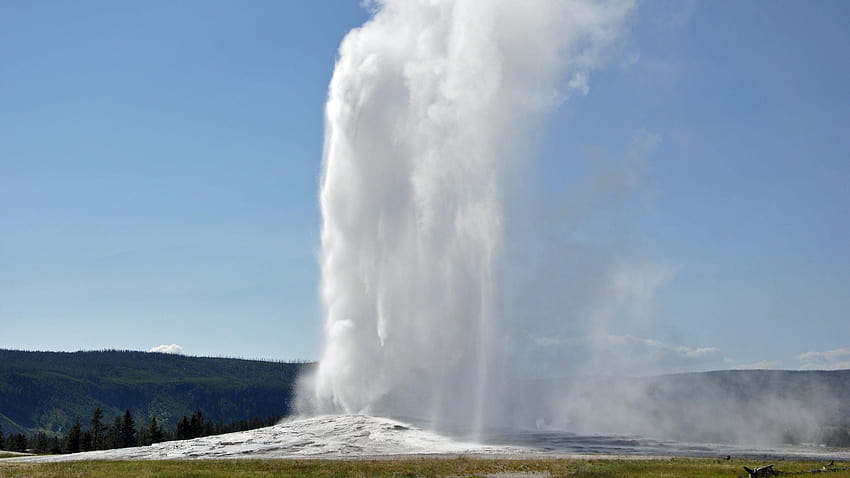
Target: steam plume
427, 116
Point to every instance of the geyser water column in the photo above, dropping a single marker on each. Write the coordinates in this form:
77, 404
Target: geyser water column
427, 115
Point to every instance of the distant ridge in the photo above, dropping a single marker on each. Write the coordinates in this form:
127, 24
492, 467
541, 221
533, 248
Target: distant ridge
46, 391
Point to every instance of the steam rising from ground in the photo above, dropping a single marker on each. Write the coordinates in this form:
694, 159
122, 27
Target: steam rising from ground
428, 113
444, 295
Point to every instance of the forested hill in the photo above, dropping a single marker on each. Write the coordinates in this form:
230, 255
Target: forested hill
46, 391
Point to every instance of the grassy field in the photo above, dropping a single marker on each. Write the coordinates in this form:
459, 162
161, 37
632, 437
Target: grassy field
413, 467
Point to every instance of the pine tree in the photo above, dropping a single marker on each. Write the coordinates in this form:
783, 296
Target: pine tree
196, 425
183, 429
18, 442
88, 442
208, 429
41, 443
55, 445
155, 431
152, 434
73, 439
113, 436
98, 430
2, 439
127, 431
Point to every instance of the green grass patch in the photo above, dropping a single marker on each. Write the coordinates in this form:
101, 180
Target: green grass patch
408, 467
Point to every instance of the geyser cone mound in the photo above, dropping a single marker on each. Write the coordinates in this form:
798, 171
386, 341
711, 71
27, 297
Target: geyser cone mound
329, 436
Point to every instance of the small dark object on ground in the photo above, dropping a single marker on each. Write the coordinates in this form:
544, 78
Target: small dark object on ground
761, 471
769, 471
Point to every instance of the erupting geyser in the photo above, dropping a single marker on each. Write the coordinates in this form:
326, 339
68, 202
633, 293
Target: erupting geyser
427, 115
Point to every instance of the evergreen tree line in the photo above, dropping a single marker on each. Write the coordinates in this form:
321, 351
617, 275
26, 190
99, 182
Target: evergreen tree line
123, 433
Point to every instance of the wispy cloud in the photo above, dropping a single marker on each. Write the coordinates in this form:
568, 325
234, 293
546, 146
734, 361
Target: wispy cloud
837, 359
168, 349
760, 365
625, 354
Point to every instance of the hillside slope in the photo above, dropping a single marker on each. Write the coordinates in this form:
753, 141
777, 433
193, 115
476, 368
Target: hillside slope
46, 391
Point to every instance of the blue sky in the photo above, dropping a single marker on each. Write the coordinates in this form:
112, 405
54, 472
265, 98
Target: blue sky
159, 166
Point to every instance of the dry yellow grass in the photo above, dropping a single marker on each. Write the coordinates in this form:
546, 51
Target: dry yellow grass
407, 467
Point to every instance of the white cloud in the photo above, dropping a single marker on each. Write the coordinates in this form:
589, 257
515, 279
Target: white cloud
760, 365
168, 349
679, 354
837, 359
621, 354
